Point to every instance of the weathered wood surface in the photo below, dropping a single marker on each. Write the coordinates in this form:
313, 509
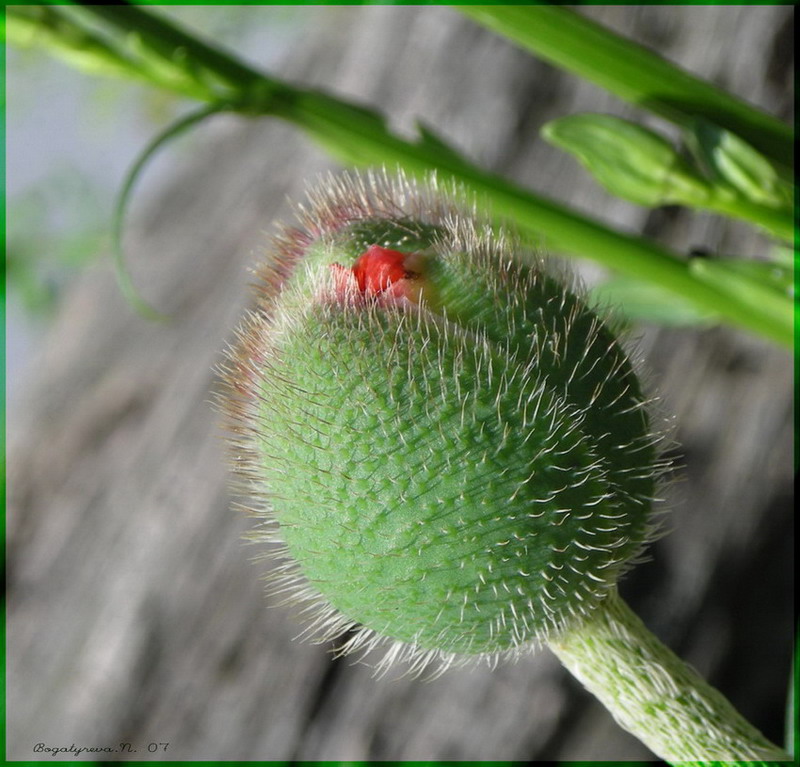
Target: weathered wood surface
135, 614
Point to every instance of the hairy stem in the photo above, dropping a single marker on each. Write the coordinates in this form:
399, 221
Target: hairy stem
653, 694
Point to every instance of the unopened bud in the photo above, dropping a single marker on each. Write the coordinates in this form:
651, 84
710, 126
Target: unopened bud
732, 162
630, 161
451, 449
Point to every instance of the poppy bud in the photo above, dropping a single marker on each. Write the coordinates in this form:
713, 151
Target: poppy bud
451, 449
630, 161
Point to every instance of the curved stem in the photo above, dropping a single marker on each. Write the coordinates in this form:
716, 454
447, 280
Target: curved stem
653, 694
123, 276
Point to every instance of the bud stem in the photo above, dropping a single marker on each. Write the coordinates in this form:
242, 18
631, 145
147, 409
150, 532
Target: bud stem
776, 221
653, 694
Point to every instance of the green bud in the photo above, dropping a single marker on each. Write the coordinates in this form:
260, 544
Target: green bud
735, 163
630, 161
451, 449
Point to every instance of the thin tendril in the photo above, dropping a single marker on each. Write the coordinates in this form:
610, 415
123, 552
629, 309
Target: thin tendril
120, 208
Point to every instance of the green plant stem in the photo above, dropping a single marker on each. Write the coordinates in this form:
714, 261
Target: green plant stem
177, 128
625, 253
653, 694
635, 74
361, 136
180, 48
565, 231
61, 33
777, 222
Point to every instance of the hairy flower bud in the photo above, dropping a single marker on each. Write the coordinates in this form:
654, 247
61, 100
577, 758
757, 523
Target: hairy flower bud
451, 448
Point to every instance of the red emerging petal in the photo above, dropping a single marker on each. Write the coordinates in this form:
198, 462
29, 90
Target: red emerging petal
377, 268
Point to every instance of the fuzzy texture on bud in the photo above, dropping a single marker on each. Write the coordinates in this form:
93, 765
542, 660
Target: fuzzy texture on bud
449, 448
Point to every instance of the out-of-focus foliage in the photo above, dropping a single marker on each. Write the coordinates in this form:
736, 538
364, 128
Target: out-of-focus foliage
72, 138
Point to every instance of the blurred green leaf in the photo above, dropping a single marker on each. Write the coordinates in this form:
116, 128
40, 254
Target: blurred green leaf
783, 255
53, 230
36, 294
772, 276
640, 301
430, 139
762, 287
43, 26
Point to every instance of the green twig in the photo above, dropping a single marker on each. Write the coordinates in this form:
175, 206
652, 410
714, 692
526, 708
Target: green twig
186, 53
121, 206
779, 223
361, 136
633, 73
